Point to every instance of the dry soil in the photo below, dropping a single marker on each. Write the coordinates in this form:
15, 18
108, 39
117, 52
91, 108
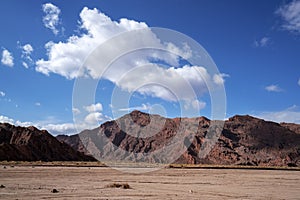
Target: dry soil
28, 182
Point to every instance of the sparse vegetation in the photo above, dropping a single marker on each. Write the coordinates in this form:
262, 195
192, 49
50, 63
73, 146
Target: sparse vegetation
2, 186
119, 185
205, 166
5, 164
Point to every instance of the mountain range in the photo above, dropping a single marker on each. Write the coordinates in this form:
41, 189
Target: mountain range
142, 137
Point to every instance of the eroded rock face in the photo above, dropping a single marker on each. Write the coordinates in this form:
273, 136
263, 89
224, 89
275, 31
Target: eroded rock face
291, 126
138, 136
244, 140
31, 144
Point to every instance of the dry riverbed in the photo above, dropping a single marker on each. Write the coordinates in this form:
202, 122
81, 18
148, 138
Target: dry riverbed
57, 182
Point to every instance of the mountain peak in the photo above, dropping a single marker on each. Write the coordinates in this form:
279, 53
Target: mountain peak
244, 118
245, 140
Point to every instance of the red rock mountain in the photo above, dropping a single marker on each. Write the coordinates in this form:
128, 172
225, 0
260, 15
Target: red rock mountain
243, 140
31, 144
292, 127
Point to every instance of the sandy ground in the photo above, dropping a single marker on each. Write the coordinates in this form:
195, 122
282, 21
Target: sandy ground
25, 182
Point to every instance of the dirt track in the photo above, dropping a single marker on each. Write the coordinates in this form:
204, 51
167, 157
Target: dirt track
25, 182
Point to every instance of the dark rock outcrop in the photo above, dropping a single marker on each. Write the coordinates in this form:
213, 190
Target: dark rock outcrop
291, 126
31, 144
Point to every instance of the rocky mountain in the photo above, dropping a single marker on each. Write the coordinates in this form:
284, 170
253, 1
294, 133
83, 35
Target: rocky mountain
73, 141
291, 126
247, 140
241, 140
31, 144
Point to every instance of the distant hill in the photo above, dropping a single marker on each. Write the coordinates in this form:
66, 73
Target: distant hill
244, 140
31, 144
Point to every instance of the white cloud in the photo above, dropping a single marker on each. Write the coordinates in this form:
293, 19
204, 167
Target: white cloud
65, 59
5, 119
194, 104
291, 115
264, 41
172, 84
95, 118
143, 107
2, 94
51, 18
219, 78
64, 128
7, 58
198, 105
185, 52
37, 104
76, 111
290, 13
27, 49
25, 65
273, 88
299, 82
94, 108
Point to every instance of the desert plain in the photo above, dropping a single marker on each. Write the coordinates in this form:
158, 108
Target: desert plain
88, 182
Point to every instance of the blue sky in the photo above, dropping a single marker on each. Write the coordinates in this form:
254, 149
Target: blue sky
254, 44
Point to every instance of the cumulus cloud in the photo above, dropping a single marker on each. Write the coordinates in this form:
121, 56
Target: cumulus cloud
64, 128
273, 88
172, 84
290, 14
194, 104
185, 51
94, 118
2, 94
5, 119
143, 107
27, 49
219, 79
94, 107
65, 58
7, 58
76, 111
134, 72
198, 105
264, 41
51, 18
291, 115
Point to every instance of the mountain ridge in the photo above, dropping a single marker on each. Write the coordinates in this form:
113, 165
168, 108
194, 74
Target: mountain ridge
142, 137
31, 144
244, 140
